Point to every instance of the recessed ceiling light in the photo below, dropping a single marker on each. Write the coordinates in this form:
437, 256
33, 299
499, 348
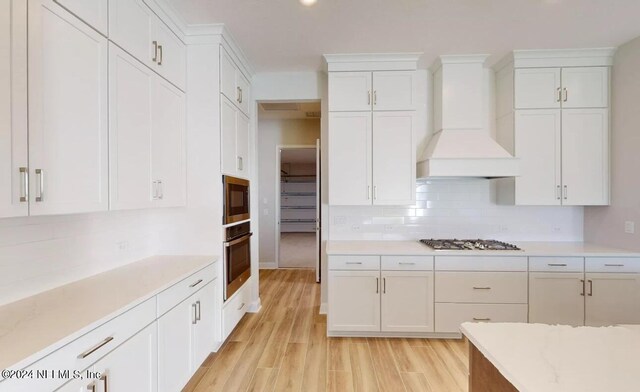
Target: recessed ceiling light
308, 3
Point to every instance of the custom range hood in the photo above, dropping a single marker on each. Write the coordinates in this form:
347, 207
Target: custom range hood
461, 145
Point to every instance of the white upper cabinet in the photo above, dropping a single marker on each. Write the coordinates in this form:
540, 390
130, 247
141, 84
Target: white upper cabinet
538, 145
13, 109
136, 29
130, 84
168, 144
171, 57
68, 133
394, 90
242, 145
233, 84
350, 158
228, 125
585, 87
537, 88
585, 157
93, 12
394, 169
612, 298
130, 27
350, 91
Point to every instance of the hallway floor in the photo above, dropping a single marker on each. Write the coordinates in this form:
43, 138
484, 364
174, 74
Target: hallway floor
297, 250
285, 348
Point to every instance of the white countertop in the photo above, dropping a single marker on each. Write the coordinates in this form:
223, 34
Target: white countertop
37, 325
415, 248
552, 358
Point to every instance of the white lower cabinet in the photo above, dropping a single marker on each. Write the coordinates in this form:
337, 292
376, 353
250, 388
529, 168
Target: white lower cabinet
556, 298
612, 298
407, 301
186, 335
354, 301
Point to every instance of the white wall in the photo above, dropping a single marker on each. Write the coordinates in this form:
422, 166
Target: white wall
605, 225
270, 135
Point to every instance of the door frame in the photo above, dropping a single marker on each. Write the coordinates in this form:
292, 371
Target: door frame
279, 149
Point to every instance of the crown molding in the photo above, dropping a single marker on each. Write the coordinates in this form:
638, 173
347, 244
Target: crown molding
587, 57
372, 62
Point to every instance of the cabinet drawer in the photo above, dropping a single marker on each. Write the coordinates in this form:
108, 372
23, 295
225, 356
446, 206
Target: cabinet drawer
88, 349
338, 263
612, 264
407, 263
234, 309
556, 264
182, 290
450, 316
482, 287
481, 263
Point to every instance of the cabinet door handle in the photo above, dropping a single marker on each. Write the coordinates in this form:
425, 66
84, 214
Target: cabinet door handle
104, 378
559, 94
240, 165
198, 311
155, 52
375, 192
565, 192
161, 55
481, 319
375, 97
384, 285
241, 306
240, 94
590, 288
194, 320
24, 184
369, 98
368, 192
582, 282
160, 190
91, 387
377, 285
95, 348
558, 192
566, 94
482, 288
40, 189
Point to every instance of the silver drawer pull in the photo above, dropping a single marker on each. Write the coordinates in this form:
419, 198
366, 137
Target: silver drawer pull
40, 188
481, 319
557, 265
95, 348
354, 262
24, 184
241, 306
196, 283
401, 263
482, 288
614, 265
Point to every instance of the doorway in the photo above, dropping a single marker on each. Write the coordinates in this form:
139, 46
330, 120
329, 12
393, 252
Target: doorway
298, 212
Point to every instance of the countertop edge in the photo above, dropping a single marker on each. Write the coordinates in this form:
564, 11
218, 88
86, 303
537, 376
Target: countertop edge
33, 358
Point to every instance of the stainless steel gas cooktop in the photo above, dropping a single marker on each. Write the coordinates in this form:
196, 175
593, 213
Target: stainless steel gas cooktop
455, 244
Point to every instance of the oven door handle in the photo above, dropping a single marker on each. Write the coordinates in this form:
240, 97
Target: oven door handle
237, 240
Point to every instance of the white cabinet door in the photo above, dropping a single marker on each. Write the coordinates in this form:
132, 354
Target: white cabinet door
130, 84
394, 163
228, 142
612, 299
407, 301
242, 145
537, 88
585, 87
13, 109
585, 156
93, 12
168, 144
205, 328
354, 301
350, 158
394, 90
68, 133
175, 347
350, 91
538, 146
556, 298
228, 85
172, 57
133, 366
130, 27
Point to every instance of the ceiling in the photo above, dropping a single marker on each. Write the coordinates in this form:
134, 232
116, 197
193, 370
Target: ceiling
289, 110
283, 35
298, 155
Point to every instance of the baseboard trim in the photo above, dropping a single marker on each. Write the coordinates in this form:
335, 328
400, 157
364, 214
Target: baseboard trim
268, 265
323, 308
255, 306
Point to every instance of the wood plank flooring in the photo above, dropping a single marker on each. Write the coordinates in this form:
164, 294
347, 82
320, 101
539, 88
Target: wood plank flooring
285, 348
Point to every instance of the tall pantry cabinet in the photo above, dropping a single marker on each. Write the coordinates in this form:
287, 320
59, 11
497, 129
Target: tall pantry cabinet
553, 114
372, 122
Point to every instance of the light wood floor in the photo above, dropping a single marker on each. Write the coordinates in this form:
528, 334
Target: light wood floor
285, 348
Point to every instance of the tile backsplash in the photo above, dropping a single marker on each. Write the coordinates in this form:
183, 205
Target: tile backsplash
456, 209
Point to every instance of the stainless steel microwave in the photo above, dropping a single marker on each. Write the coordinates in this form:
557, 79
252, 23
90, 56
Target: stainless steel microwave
236, 199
